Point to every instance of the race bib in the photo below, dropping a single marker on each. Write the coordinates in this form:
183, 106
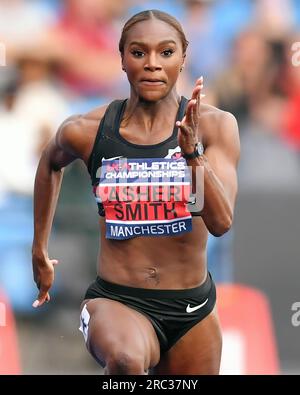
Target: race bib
145, 197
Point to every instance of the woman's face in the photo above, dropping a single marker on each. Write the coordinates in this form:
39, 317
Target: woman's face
152, 59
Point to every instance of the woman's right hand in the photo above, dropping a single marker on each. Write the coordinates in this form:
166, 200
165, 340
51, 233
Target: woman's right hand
43, 273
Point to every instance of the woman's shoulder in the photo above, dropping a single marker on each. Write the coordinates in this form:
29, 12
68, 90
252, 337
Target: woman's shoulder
82, 121
83, 124
211, 114
212, 119
77, 133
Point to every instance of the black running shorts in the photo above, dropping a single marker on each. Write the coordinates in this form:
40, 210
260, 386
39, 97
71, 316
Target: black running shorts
171, 312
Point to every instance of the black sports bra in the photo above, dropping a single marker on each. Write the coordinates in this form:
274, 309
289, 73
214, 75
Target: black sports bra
140, 189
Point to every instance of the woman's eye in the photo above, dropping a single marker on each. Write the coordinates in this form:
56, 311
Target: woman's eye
168, 52
137, 54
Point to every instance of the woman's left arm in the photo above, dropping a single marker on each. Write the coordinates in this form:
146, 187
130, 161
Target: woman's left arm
219, 163
220, 175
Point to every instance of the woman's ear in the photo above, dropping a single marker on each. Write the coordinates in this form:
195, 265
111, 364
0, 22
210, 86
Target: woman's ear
182, 66
183, 63
123, 68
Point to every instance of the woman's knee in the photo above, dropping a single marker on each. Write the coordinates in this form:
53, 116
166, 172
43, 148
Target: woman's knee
116, 357
127, 345
125, 362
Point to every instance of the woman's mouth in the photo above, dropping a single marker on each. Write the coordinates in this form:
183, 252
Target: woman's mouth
152, 82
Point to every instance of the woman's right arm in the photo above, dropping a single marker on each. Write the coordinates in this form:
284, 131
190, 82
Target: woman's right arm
61, 151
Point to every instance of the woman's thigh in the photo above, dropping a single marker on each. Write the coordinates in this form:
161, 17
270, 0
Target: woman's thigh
197, 352
118, 331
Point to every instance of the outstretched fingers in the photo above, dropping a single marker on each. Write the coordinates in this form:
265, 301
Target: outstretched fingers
188, 119
196, 95
190, 112
198, 89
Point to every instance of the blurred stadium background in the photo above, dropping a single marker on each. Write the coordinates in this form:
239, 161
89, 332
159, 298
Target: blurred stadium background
61, 58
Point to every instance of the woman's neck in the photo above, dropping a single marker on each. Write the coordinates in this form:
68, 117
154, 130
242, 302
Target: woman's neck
151, 115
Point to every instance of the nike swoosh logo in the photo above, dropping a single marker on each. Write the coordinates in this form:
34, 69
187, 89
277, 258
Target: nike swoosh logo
190, 309
115, 157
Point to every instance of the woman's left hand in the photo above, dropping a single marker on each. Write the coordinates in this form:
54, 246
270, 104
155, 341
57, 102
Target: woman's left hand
188, 127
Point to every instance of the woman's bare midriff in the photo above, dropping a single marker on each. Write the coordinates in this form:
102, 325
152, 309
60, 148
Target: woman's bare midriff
173, 262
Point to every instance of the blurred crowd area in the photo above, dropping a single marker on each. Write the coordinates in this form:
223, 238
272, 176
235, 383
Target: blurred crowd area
61, 58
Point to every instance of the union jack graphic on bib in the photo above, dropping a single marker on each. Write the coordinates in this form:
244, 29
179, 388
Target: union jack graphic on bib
145, 197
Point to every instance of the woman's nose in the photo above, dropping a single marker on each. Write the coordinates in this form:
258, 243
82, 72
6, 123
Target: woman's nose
152, 63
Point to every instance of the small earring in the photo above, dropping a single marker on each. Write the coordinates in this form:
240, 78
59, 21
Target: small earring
181, 68
123, 68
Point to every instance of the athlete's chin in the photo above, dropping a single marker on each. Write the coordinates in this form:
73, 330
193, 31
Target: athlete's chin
152, 96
